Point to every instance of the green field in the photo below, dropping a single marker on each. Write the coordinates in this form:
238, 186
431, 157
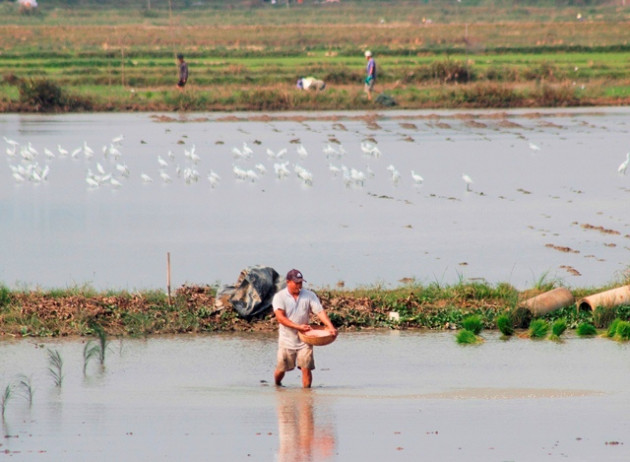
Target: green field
248, 55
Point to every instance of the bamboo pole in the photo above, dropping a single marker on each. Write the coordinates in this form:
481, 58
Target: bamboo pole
168, 276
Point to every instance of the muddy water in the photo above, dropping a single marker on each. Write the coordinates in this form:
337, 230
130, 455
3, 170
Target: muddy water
376, 396
546, 199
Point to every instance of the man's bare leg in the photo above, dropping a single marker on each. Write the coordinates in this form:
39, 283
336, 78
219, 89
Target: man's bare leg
278, 376
307, 378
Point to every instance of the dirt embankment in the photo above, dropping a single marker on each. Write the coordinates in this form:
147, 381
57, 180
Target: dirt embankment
192, 309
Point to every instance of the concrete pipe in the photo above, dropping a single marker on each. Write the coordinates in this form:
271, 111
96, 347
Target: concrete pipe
548, 301
608, 299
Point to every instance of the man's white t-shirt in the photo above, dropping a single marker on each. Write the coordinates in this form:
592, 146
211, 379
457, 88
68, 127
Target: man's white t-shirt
298, 311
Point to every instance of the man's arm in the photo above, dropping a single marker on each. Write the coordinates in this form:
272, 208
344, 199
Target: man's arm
282, 319
326, 320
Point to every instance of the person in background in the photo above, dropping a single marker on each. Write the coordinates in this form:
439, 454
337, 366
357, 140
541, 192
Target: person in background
370, 77
310, 83
293, 307
183, 71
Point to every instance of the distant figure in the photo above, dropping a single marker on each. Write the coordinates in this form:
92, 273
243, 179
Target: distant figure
310, 83
183, 71
370, 71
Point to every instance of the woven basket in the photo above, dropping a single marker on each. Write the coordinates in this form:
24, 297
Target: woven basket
316, 336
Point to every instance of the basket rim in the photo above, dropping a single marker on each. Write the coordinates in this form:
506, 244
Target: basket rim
316, 341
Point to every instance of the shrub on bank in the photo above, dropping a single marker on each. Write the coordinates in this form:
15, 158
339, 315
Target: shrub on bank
44, 95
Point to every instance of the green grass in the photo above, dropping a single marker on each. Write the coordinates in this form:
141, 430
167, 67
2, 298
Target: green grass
622, 331
466, 337
505, 325
558, 328
247, 55
538, 329
473, 323
586, 329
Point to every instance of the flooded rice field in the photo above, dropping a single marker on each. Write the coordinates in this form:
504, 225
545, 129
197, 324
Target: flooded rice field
358, 198
377, 396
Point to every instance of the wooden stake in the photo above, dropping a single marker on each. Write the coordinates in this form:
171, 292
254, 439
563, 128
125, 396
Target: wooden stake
168, 276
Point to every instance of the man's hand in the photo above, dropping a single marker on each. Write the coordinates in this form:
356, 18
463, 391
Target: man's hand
304, 328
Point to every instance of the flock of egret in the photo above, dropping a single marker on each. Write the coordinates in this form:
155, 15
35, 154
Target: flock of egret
109, 169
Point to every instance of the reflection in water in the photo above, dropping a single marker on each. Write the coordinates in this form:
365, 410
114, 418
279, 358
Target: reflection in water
304, 435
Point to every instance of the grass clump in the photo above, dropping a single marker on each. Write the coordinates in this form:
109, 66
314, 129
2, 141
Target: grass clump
586, 329
538, 329
612, 329
622, 331
558, 328
505, 325
473, 323
466, 337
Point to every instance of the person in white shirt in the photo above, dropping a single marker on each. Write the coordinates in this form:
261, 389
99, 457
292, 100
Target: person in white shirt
293, 307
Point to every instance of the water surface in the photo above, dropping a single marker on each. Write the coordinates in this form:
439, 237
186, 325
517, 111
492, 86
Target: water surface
376, 396
546, 198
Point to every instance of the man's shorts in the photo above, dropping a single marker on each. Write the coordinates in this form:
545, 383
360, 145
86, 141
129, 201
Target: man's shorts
287, 359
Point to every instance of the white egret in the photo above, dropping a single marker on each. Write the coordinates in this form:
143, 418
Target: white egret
88, 152
44, 173
533, 147
92, 182
302, 152
49, 153
119, 139
260, 168
10, 141
62, 151
304, 175
357, 176
247, 151
100, 168
251, 175
114, 182
32, 149
166, 178
281, 169
213, 178
239, 173
624, 165
76, 152
416, 178
162, 162
146, 178
123, 169
467, 180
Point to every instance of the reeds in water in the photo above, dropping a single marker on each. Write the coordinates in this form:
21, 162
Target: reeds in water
55, 366
96, 349
25, 388
5, 397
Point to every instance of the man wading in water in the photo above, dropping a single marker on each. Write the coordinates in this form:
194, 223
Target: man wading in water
293, 307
